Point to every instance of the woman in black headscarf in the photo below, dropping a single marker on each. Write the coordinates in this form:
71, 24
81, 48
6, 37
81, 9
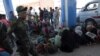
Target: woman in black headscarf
67, 41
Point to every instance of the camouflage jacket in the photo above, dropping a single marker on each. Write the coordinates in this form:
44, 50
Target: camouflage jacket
20, 29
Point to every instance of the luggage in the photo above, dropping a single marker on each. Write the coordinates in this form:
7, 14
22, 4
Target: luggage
46, 48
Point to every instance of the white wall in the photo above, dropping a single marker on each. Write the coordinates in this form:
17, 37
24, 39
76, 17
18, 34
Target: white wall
57, 3
2, 10
80, 3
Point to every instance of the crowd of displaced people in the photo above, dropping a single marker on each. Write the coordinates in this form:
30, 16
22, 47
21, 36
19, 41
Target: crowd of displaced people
51, 15
49, 38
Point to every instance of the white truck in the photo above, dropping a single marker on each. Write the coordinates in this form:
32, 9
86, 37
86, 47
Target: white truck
90, 13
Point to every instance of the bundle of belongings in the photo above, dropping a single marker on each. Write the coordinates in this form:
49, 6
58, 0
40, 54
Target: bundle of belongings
91, 33
45, 47
67, 41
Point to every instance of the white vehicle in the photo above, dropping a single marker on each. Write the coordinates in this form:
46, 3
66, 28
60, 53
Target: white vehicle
90, 13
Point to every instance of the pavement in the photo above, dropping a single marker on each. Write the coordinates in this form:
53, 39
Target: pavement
93, 50
86, 50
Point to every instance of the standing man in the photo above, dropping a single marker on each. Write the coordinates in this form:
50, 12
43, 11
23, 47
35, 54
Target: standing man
41, 14
20, 31
51, 15
45, 14
56, 15
29, 14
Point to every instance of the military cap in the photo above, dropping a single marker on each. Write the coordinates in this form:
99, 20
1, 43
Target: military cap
21, 9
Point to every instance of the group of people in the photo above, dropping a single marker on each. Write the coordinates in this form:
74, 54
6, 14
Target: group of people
73, 38
19, 29
51, 15
15, 31
67, 39
49, 39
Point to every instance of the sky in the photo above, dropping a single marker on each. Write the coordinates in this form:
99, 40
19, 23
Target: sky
80, 3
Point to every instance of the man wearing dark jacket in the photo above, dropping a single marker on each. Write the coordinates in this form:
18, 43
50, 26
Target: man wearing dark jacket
41, 14
5, 48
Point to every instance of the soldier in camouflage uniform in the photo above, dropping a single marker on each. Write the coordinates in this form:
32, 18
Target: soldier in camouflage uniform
20, 30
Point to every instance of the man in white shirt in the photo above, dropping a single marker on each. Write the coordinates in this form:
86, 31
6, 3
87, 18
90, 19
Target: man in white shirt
29, 14
56, 15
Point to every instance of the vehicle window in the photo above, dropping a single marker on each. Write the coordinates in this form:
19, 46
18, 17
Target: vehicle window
92, 6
